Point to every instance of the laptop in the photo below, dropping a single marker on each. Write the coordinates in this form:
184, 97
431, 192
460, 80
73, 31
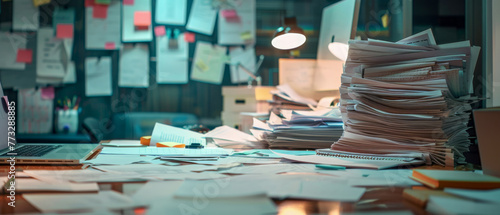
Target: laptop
33, 153
487, 122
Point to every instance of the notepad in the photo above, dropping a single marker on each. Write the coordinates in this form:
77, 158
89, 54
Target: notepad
455, 179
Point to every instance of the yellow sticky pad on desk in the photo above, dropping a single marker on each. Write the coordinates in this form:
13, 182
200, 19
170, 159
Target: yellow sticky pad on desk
145, 140
171, 145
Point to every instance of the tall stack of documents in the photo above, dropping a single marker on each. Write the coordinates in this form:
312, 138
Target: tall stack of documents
300, 129
408, 96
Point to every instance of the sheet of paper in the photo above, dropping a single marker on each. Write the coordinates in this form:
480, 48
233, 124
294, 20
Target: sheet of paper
145, 169
443, 205
123, 143
171, 64
191, 188
70, 77
25, 16
104, 159
33, 185
202, 17
228, 133
483, 195
87, 175
50, 54
10, 43
242, 29
168, 133
134, 66
99, 32
326, 191
129, 32
167, 152
187, 176
98, 76
237, 160
34, 113
245, 57
208, 63
155, 190
171, 12
101, 200
269, 169
244, 205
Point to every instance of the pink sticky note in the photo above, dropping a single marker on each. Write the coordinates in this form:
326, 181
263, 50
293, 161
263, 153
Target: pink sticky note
24, 56
229, 13
64, 31
160, 30
189, 37
128, 2
142, 20
100, 11
48, 93
89, 3
109, 45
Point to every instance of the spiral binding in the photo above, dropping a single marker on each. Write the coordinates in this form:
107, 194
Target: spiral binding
362, 157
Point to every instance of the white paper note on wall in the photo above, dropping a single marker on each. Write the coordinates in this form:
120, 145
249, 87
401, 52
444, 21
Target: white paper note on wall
129, 33
25, 16
70, 77
34, 113
246, 57
171, 64
202, 17
10, 43
208, 63
103, 33
98, 76
134, 66
239, 30
171, 12
50, 53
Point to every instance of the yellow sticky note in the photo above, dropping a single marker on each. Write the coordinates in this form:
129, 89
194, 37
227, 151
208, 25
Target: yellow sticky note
40, 2
295, 53
246, 35
201, 65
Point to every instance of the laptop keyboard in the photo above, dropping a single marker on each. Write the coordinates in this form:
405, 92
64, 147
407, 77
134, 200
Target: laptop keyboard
33, 150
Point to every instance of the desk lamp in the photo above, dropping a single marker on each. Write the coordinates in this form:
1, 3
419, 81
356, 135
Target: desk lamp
339, 50
289, 36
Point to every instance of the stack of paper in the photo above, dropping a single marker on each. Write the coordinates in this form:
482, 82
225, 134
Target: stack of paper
286, 98
300, 129
407, 96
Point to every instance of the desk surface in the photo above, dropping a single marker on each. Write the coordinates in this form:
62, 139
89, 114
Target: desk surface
387, 198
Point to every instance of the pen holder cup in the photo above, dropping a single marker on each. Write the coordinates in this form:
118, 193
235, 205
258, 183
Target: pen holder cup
67, 121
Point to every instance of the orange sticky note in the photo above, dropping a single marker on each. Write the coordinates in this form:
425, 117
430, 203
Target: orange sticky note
171, 145
142, 20
24, 56
100, 11
145, 140
64, 31
160, 30
109, 45
189, 37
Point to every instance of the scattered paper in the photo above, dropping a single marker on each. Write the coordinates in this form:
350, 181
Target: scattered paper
129, 32
208, 63
172, 64
101, 33
57, 202
238, 26
134, 66
171, 12
123, 143
154, 191
145, 169
104, 159
167, 152
86, 175
33, 185
443, 205
98, 76
168, 133
483, 195
202, 17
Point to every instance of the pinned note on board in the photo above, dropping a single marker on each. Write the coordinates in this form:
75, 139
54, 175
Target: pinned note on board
64, 31
40, 2
24, 56
48, 93
89, 3
189, 37
160, 30
109, 45
142, 20
100, 11
246, 36
128, 2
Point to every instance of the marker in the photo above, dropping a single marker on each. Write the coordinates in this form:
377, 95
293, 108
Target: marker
330, 167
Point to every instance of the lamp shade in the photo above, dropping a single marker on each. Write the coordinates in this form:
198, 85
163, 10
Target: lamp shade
339, 50
289, 36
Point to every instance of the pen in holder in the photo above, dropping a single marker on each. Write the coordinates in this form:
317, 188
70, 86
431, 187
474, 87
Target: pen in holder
67, 121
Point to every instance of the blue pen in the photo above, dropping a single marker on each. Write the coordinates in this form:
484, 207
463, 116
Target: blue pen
330, 167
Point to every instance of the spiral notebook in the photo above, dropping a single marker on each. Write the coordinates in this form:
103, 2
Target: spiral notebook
369, 161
